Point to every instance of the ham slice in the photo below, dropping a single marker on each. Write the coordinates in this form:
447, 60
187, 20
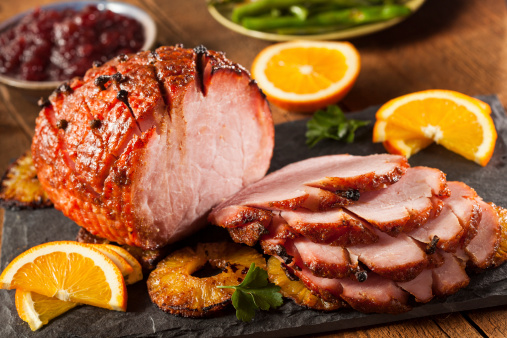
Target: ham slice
405, 205
464, 203
335, 227
450, 276
420, 287
286, 189
397, 258
325, 260
482, 248
446, 227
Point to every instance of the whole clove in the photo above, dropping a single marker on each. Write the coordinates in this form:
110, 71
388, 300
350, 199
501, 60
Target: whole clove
351, 194
95, 124
122, 57
123, 96
43, 102
64, 88
62, 124
101, 80
361, 276
432, 246
118, 78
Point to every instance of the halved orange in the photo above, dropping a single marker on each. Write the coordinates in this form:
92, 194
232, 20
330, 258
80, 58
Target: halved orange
69, 271
458, 122
305, 76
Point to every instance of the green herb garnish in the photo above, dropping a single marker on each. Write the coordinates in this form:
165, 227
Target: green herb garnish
255, 292
331, 123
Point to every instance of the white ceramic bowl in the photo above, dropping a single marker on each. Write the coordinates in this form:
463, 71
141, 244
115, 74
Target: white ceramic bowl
150, 33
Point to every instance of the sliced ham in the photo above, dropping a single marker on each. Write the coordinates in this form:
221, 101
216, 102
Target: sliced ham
464, 203
482, 248
446, 227
450, 276
325, 260
335, 227
398, 258
376, 294
420, 287
286, 189
405, 205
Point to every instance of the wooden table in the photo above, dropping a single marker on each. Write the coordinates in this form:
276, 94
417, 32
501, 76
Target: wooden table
453, 44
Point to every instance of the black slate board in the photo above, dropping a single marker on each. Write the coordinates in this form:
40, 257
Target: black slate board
24, 229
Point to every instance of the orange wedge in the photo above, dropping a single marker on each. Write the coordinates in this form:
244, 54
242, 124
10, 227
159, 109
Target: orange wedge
305, 76
37, 310
458, 122
69, 271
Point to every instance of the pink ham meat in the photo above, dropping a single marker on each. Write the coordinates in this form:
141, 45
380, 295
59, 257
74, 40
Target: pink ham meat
324, 260
334, 227
457, 221
450, 276
376, 294
398, 258
409, 239
405, 205
483, 247
141, 148
287, 188
464, 203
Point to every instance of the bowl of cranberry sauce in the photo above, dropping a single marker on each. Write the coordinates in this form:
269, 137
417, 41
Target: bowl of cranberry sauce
42, 48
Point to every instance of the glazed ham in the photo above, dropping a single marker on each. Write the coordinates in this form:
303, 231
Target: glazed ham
140, 149
410, 238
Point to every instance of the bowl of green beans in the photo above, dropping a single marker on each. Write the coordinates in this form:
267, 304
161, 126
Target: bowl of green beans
283, 20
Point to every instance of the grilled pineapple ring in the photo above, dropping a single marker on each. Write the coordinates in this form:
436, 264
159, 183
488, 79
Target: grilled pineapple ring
173, 288
296, 290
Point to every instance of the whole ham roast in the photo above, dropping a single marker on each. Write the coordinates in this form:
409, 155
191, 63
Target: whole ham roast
140, 149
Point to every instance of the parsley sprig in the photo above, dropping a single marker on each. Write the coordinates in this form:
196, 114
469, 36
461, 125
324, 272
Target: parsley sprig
331, 123
255, 292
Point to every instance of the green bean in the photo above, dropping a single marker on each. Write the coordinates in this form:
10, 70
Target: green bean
261, 7
347, 17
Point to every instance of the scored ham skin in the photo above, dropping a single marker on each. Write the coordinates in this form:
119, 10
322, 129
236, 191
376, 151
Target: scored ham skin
405, 205
196, 130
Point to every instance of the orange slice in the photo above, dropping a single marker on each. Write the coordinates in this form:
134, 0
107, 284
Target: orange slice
456, 121
136, 273
305, 76
69, 271
37, 310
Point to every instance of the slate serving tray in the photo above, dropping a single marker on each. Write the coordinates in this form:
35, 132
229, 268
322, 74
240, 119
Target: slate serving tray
24, 229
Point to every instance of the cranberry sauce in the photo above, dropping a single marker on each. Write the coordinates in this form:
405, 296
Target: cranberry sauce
58, 45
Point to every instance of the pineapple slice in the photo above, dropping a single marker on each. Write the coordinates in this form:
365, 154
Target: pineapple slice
20, 188
296, 290
501, 252
174, 289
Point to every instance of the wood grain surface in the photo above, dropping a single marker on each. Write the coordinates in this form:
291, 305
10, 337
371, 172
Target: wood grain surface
453, 44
